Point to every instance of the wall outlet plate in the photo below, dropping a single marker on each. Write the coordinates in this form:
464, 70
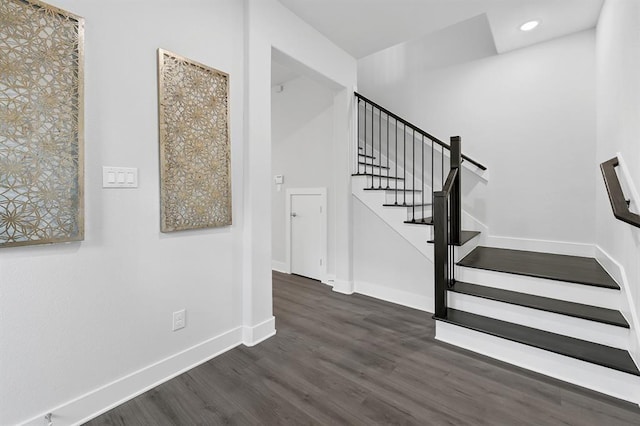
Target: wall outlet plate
179, 319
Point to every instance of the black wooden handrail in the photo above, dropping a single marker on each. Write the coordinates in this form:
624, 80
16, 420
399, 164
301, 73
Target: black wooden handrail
616, 195
416, 128
448, 184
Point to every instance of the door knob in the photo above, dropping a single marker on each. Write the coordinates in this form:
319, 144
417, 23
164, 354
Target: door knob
293, 215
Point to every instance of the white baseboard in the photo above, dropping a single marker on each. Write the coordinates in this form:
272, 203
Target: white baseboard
251, 336
399, 297
329, 279
591, 376
617, 271
276, 265
342, 286
104, 398
545, 246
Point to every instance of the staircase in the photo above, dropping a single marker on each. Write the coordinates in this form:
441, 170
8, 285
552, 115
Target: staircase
554, 314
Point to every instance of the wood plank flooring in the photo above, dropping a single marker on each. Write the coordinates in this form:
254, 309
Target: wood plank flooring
354, 360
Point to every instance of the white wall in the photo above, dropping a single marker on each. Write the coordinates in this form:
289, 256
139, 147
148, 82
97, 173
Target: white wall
528, 115
302, 151
387, 266
618, 56
75, 317
271, 26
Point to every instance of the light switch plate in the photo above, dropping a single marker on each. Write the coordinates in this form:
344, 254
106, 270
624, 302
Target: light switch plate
119, 177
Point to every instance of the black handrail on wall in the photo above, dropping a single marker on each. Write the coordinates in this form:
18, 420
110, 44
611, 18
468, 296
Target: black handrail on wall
447, 224
618, 201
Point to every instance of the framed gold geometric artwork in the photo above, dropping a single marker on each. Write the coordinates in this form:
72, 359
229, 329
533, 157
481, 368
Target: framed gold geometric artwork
195, 161
41, 124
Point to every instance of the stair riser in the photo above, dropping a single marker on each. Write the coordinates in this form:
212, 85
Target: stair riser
571, 292
392, 184
374, 169
405, 197
418, 213
601, 379
604, 334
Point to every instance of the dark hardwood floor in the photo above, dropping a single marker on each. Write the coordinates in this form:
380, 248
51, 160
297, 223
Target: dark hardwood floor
354, 360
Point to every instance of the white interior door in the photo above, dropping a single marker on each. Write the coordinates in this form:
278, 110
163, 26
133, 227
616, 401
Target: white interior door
306, 235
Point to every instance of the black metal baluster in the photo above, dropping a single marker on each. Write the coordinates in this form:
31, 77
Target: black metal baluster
364, 140
372, 133
358, 141
450, 259
404, 166
387, 152
441, 167
413, 171
433, 186
395, 187
379, 149
422, 198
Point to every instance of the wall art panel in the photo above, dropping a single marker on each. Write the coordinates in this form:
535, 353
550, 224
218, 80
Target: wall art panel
195, 175
41, 124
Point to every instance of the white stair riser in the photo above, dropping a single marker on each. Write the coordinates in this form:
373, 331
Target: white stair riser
374, 169
418, 212
405, 197
571, 292
601, 379
605, 334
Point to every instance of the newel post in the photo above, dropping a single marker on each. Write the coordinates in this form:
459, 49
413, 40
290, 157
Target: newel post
440, 255
456, 191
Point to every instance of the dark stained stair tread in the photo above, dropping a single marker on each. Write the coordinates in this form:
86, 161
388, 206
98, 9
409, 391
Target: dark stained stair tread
405, 205
421, 221
377, 176
592, 313
399, 190
367, 156
606, 356
465, 237
581, 270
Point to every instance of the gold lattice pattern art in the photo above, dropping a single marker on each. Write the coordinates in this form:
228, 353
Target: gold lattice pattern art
41, 195
195, 176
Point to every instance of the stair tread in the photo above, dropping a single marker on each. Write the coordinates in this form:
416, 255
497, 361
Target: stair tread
362, 163
367, 156
421, 221
405, 205
575, 269
592, 313
465, 237
400, 190
377, 176
595, 353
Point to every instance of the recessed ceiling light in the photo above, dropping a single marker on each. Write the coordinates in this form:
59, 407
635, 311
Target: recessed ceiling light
528, 26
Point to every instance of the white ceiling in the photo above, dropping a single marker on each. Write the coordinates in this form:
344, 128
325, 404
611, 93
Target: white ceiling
362, 27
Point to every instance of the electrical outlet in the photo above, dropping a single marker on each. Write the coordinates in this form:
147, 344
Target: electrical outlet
179, 319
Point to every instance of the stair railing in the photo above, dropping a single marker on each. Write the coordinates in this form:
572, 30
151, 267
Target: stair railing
447, 225
619, 203
400, 158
